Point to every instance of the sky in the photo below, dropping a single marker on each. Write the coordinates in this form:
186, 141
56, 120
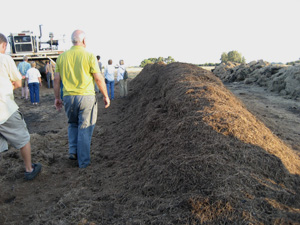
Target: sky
191, 31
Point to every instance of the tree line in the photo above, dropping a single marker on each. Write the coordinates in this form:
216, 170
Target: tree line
231, 56
167, 60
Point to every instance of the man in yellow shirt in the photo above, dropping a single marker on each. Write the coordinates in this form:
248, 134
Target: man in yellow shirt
78, 70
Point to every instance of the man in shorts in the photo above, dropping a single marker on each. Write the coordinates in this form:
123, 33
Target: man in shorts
13, 128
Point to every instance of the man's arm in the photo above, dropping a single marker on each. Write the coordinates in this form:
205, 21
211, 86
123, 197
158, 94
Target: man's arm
40, 81
58, 101
99, 80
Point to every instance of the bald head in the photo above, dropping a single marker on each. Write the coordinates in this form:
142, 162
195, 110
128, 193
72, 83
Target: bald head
78, 37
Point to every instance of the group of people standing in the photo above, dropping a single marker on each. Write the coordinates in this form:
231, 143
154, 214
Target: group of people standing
77, 72
31, 78
109, 75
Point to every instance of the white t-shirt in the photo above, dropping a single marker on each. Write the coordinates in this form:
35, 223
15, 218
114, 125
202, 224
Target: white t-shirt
8, 74
33, 75
109, 73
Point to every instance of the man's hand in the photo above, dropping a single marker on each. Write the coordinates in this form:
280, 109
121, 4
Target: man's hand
106, 102
16, 84
58, 104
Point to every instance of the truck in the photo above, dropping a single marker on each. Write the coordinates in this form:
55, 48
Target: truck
25, 43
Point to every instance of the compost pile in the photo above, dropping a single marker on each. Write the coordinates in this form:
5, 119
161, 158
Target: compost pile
278, 78
181, 149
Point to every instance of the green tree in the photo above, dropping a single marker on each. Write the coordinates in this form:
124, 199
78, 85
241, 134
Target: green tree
156, 60
145, 62
224, 57
169, 60
232, 56
160, 59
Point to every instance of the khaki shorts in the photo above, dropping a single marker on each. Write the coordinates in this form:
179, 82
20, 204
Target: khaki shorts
24, 83
14, 131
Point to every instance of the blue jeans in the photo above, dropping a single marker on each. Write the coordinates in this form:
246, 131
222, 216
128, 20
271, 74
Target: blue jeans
110, 85
34, 89
61, 90
82, 116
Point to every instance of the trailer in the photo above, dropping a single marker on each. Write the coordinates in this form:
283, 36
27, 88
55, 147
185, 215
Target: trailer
26, 43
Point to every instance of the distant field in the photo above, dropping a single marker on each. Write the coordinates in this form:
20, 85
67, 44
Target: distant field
208, 67
134, 71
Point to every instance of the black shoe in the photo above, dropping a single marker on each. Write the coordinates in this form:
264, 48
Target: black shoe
73, 156
36, 170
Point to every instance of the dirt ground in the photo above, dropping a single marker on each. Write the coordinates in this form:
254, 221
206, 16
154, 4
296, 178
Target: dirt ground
160, 157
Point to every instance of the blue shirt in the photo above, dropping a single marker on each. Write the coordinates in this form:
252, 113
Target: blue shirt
23, 67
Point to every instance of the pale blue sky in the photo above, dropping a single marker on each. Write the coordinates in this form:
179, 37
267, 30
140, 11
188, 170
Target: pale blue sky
193, 31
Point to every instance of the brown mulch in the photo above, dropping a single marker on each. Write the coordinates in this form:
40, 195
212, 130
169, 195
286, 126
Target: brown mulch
181, 149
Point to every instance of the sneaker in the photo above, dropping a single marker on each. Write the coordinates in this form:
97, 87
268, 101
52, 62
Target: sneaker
73, 156
36, 170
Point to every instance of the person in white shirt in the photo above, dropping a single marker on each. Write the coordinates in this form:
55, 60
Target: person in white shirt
13, 128
34, 80
109, 75
121, 80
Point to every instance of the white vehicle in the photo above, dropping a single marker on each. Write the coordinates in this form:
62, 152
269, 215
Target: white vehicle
26, 43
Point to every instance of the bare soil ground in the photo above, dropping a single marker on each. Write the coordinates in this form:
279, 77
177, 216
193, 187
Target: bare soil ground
181, 149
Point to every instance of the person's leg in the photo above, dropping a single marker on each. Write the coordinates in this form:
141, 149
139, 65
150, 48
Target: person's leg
121, 88
26, 155
26, 89
73, 136
125, 88
71, 110
84, 146
34, 92
37, 92
48, 79
14, 131
112, 86
23, 88
30, 85
108, 87
3, 143
87, 120
23, 92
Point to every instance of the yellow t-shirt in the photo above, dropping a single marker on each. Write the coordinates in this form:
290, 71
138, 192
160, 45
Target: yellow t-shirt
76, 67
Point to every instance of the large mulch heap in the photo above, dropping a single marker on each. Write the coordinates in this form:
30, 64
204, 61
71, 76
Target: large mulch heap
182, 149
